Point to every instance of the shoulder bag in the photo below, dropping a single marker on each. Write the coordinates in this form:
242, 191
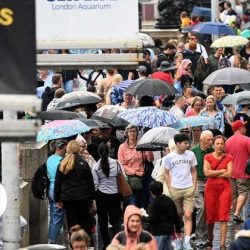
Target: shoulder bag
123, 187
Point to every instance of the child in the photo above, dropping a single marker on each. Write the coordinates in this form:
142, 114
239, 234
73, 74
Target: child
163, 217
185, 20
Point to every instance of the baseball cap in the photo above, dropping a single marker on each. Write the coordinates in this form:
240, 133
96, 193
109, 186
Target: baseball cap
142, 69
237, 125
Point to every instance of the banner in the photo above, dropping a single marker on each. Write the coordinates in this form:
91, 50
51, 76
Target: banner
76, 20
17, 47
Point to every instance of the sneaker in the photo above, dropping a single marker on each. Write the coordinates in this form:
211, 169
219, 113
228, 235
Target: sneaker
187, 246
201, 244
178, 244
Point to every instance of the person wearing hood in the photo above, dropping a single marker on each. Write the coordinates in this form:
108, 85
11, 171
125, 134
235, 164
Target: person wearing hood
133, 233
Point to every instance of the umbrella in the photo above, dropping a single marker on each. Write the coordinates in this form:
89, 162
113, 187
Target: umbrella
3, 199
156, 138
77, 99
194, 121
229, 41
59, 115
214, 28
151, 87
61, 129
228, 76
93, 123
116, 94
109, 114
240, 98
45, 247
202, 11
245, 33
150, 117
147, 41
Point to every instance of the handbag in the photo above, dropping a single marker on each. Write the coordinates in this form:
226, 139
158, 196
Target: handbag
218, 164
148, 166
135, 182
124, 188
247, 170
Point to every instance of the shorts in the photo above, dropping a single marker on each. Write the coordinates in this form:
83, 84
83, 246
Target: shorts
184, 199
240, 187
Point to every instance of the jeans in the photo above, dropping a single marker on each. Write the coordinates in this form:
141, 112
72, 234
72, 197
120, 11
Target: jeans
56, 219
164, 242
201, 227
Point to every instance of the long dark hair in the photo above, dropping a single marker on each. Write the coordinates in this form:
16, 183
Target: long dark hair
103, 151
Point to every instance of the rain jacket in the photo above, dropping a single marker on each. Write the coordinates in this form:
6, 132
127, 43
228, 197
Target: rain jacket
131, 242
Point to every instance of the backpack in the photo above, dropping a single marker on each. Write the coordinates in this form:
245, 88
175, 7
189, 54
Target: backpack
201, 72
40, 183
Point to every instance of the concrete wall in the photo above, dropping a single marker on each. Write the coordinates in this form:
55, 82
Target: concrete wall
32, 155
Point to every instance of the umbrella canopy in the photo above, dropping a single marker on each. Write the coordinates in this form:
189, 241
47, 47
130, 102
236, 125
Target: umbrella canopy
229, 42
109, 114
59, 115
116, 94
240, 98
214, 28
150, 117
245, 33
77, 99
61, 129
151, 87
194, 121
156, 138
3, 199
94, 123
45, 247
202, 11
147, 41
228, 76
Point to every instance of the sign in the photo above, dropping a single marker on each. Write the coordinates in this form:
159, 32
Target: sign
17, 47
92, 20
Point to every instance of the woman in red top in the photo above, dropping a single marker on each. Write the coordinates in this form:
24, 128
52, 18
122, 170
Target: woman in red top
218, 169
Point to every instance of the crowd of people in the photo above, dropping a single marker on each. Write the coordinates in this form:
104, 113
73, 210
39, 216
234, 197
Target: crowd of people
197, 181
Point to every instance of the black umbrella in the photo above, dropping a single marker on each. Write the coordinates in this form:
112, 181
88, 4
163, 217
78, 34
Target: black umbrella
92, 123
150, 87
58, 115
77, 99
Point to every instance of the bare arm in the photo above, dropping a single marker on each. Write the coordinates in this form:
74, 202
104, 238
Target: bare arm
167, 177
211, 173
194, 176
229, 170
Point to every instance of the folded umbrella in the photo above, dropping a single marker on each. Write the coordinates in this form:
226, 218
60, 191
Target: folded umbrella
109, 114
150, 87
77, 99
156, 138
61, 129
228, 76
240, 98
229, 42
150, 117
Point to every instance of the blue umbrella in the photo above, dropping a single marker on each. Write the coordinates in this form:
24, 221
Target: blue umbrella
117, 91
214, 28
193, 121
202, 11
61, 129
150, 117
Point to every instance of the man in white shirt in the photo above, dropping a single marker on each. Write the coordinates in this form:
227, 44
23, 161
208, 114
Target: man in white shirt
181, 178
179, 107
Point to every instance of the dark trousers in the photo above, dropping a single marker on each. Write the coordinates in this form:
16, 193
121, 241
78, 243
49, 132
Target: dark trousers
77, 213
108, 209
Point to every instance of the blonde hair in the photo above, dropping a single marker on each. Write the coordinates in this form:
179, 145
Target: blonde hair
117, 78
197, 99
211, 97
114, 247
68, 162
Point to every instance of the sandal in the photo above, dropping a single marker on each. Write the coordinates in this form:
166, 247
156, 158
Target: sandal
223, 247
209, 245
237, 218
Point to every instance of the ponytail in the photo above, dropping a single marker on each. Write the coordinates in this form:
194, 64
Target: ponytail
103, 151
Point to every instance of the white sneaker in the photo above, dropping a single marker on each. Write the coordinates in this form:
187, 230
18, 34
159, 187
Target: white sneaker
178, 244
187, 246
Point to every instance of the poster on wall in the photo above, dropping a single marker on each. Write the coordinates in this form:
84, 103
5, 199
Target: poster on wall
17, 47
88, 20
